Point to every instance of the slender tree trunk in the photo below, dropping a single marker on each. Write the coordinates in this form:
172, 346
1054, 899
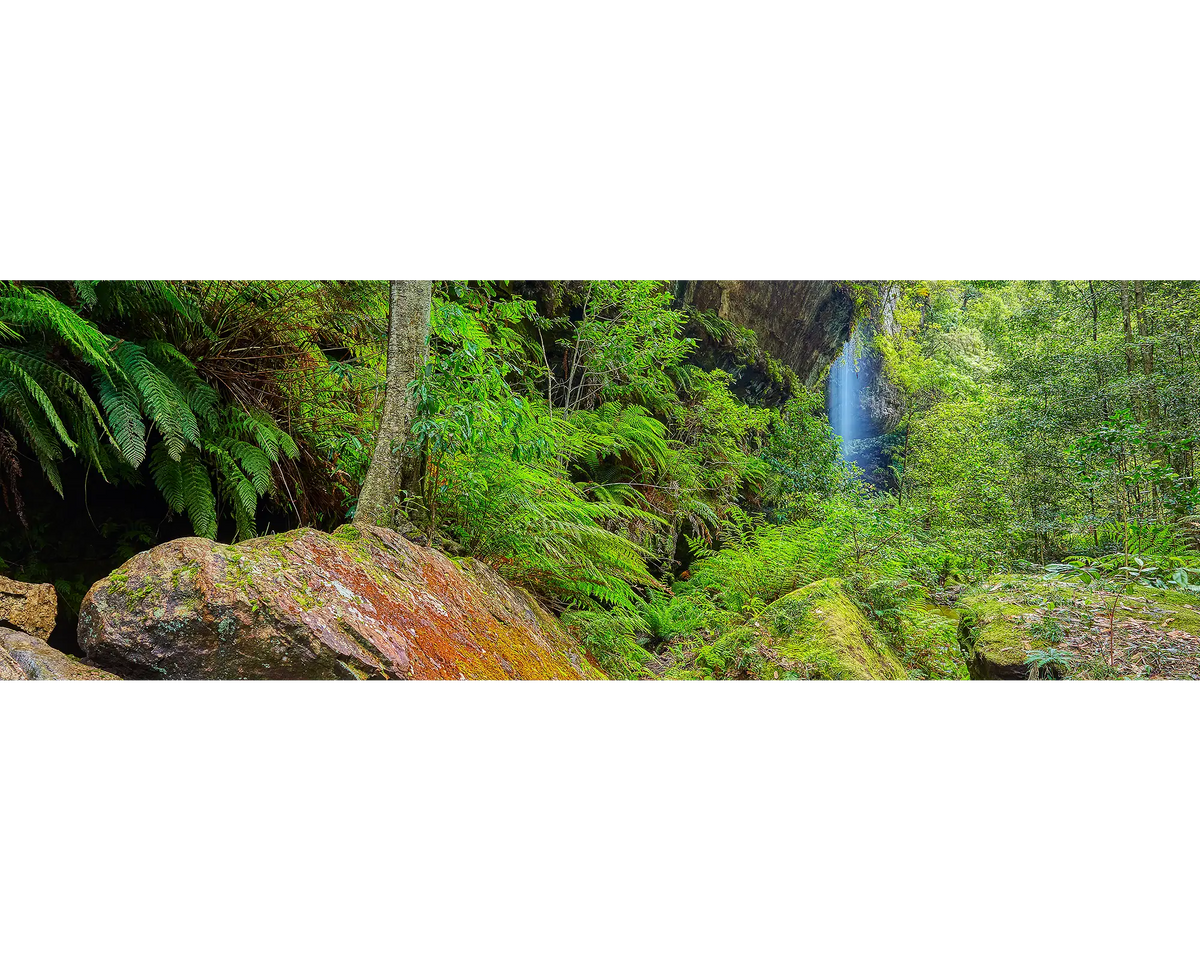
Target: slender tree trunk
1145, 332
1096, 340
1149, 392
393, 468
1128, 329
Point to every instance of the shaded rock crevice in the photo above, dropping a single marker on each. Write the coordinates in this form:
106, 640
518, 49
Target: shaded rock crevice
802, 323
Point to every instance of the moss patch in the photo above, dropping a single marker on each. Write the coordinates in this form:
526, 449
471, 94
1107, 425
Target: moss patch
818, 633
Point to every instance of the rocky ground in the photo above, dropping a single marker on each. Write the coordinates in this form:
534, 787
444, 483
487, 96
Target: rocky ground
1088, 632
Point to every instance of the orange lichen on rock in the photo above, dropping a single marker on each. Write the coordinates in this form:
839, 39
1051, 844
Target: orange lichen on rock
362, 603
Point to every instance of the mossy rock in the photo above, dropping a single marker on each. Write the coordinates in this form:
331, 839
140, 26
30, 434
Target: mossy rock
1002, 621
363, 602
818, 633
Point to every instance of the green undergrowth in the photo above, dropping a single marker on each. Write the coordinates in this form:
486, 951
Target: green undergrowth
806, 600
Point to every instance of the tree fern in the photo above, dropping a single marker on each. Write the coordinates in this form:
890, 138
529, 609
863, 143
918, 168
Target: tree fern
124, 412
168, 477
30, 423
199, 500
27, 312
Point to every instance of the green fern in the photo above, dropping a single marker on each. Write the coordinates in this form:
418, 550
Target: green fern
199, 500
206, 455
168, 477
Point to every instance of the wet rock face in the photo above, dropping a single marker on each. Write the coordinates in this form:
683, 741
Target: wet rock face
29, 607
803, 323
362, 603
26, 657
881, 400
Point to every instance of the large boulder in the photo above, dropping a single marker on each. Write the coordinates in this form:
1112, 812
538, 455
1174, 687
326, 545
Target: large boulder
361, 603
26, 657
28, 607
817, 633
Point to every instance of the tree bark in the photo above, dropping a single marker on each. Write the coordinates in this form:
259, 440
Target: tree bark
1145, 332
395, 469
1128, 328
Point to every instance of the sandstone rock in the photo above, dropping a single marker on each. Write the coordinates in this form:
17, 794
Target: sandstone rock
9, 668
802, 323
28, 607
361, 603
25, 657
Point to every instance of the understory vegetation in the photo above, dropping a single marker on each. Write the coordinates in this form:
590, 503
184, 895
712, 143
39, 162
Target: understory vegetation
595, 443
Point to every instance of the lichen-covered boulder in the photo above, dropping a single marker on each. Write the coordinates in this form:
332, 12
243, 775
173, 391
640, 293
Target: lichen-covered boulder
26, 657
361, 603
818, 633
28, 607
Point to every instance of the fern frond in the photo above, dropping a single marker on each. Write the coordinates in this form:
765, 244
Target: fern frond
160, 397
85, 290
30, 422
124, 413
255, 463
199, 500
168, 477
28, 311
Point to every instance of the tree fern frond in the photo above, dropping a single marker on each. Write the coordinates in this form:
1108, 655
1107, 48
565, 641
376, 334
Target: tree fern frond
85, 290
161, 398
124, 412
255, 463
30, 311
168, 477
199, 500
58, 382
9, 364
30, 422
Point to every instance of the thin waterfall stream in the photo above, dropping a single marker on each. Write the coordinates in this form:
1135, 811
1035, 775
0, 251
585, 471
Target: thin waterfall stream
846, 416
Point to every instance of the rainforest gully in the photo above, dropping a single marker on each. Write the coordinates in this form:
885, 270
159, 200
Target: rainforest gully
658, 480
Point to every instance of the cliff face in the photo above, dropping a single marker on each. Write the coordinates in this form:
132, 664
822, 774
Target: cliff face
881, 401
803, 323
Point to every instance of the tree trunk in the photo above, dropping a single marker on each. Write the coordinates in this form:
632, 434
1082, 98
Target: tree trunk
1096, 340
1128, 329
1145, 332
393, 468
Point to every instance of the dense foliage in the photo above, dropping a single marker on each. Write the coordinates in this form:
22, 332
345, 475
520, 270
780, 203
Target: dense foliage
589, 442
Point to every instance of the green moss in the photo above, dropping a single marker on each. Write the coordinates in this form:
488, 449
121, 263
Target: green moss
187, 570
1002, 620
817, 632
134, 597
1184, 614
304, 597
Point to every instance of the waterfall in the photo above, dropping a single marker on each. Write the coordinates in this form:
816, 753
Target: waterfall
845, 413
